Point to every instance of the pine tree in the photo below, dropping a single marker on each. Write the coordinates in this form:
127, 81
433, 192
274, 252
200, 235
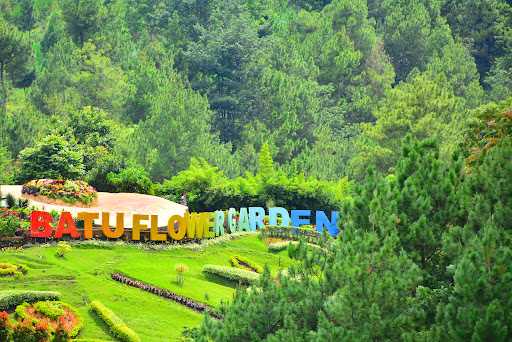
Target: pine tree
266, 167
480, 308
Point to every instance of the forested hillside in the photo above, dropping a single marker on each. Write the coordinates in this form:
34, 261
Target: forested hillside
139, 87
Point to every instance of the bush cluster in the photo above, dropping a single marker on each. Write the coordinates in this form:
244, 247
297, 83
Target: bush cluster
243, 276
244, 263
185, 301
54, 311
209, 190
12, 298
115, 323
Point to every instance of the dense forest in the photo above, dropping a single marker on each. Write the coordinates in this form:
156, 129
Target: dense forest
142, 86
397, 113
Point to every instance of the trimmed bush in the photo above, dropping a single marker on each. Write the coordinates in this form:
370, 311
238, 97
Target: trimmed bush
16, 297
115, 323
232, 273
236, 259
279, 246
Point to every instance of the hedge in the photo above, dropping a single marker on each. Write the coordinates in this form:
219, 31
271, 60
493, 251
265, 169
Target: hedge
234, 261
20, 311
116, 325
290, 233
232, 273
16, 297
281, 245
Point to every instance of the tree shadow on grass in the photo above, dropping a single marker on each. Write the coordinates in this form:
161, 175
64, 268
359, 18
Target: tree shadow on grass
220, 281
102, 325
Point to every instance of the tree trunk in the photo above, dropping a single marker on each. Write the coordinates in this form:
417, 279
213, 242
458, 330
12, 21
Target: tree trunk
81, 38
2, 83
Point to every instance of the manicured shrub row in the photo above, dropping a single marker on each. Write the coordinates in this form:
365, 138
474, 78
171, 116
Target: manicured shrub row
279, 246
289, 233
245, 264
53, 310
232, 273
115, 323
16, 297
185, 301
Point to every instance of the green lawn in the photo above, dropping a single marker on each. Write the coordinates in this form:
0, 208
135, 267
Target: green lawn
84, 275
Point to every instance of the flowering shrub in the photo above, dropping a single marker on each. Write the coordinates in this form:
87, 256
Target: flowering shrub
185, 301
115, 323
68, 191
232, 273
5, 326
245, 264
181, 269
23, 331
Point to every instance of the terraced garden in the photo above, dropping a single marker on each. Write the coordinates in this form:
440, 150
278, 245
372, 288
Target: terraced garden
84, 275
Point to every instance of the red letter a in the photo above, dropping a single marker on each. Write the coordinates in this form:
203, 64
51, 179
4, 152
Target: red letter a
66, 219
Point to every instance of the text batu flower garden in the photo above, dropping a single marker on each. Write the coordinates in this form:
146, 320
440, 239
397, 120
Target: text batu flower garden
194, 225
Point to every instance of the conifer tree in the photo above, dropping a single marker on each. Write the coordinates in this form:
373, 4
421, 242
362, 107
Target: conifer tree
480, 308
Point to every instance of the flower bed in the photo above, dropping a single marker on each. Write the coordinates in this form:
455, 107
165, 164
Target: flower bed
12, 269
185, 301
245, 264
50, 312
60, 192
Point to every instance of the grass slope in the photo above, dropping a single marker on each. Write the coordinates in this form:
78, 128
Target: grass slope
84, 275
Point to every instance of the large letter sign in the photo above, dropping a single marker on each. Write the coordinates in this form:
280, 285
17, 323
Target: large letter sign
193, 225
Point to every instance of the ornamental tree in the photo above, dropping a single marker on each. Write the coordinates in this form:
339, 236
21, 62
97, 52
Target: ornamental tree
52, 157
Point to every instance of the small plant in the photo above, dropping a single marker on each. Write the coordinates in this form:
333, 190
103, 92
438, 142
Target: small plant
181, 269
10, 200
62, 249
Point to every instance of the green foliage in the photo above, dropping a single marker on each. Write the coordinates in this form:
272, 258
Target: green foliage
11, 298
82, 17
490, 190
115, 323
49, 309
14, 54
131, 179
489, 125
236, 274
479, 308
426, 107
53, 158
